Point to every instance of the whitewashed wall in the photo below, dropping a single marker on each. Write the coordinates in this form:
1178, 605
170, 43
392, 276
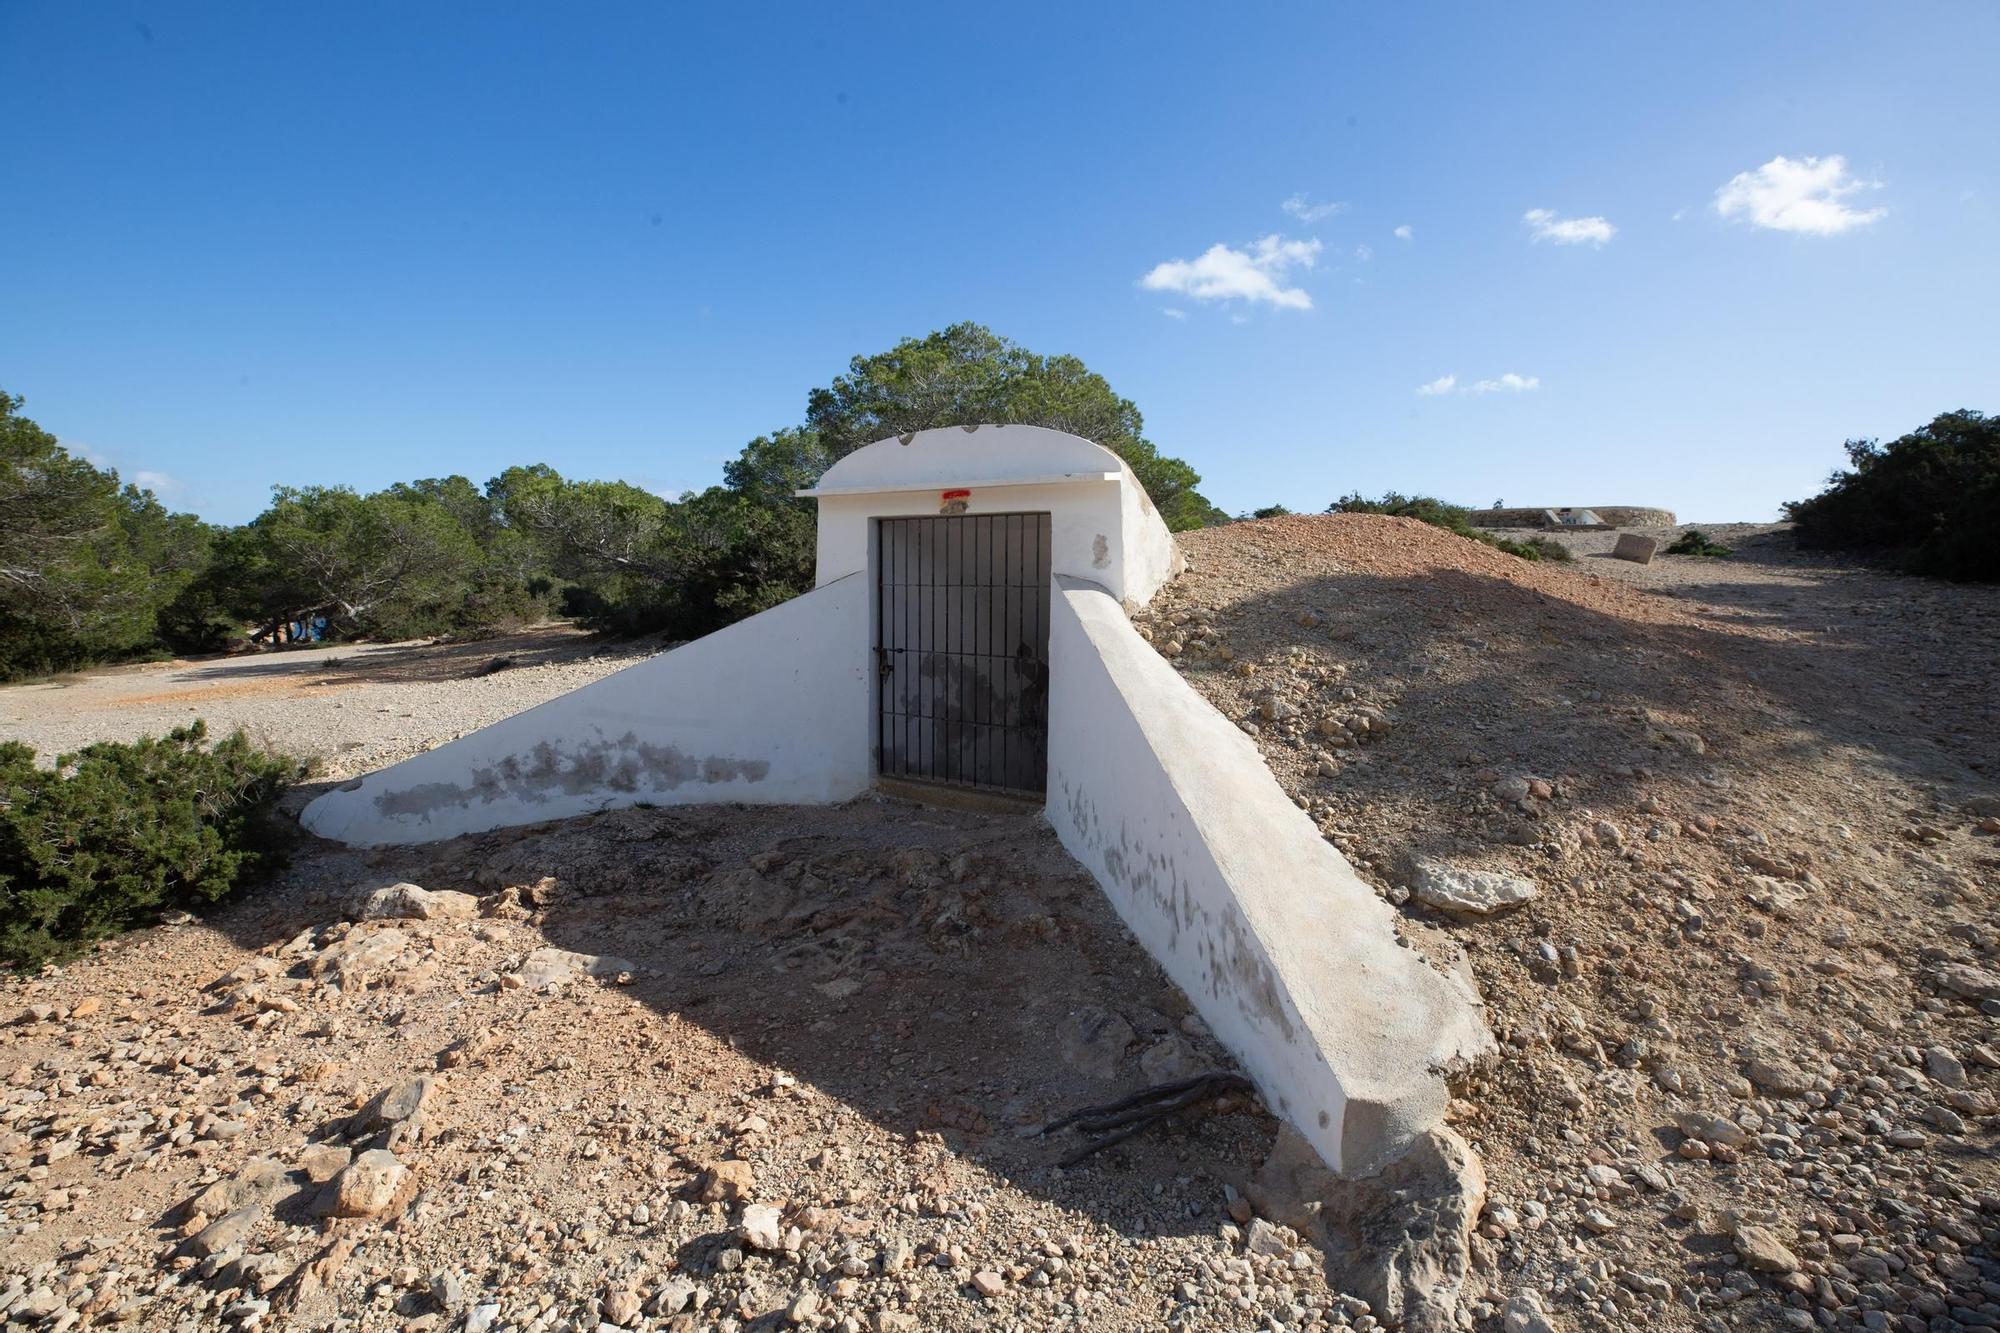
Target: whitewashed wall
1289, 957
1103, 527
773, 709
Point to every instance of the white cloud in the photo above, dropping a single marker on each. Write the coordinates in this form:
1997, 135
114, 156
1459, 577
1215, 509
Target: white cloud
162, 484
1223, 273
1568, 231
1173, 312
1507, 383
1404, 233
1305, 212
1364, 253
1801, 196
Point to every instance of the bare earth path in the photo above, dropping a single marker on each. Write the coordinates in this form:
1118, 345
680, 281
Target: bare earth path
1748, 1073
355, 708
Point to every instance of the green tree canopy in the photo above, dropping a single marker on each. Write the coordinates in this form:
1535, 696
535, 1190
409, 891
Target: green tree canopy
968, 375
1927, 499
85, 563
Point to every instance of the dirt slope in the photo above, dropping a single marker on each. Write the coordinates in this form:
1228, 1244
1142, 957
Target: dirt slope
1763, 835
1748, 1072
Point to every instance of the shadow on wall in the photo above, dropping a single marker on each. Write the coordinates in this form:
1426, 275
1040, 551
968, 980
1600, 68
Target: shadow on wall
339, 665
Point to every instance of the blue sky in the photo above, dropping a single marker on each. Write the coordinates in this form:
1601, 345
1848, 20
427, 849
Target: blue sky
252, 243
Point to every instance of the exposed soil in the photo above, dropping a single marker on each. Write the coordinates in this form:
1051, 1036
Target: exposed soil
1758, 798
1747, 1075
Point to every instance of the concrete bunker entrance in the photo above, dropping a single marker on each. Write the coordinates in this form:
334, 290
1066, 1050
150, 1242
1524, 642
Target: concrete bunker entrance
962, 650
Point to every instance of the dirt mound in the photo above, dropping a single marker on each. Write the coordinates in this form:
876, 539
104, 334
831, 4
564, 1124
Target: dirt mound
1754, 847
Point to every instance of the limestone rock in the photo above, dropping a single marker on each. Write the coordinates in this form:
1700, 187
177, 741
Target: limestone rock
546, 969
1969, 982
411, 902
620, 1307
260, 1179
1464, 892
369, 1185
1763, 1251
726, 1182
1524, 1314
361, 952
1779, 1077
763, 1227
1168, 1060
397, 1105
226, 1232
323, 1161
1400, 1239
1094, 1041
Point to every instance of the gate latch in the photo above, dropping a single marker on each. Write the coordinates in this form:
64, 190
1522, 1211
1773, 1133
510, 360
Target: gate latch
888, 664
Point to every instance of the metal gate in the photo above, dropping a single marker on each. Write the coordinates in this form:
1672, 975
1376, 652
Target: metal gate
962, 649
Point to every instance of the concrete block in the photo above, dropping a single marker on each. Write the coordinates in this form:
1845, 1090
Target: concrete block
1639, 550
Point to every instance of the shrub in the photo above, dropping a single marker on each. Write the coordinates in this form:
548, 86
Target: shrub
116, 832
1926, 501
1696, 542
1452, 518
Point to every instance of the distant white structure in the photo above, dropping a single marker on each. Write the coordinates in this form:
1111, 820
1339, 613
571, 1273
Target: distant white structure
969, 629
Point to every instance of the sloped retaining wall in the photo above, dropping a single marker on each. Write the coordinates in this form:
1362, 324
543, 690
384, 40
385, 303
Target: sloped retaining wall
773, 709
1289, 957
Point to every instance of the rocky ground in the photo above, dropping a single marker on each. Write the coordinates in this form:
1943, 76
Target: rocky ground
696, 1070
1718, 837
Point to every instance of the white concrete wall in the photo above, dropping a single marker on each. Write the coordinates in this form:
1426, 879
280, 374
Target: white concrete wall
1151, 558
773, 709
1106, 531
1290, 959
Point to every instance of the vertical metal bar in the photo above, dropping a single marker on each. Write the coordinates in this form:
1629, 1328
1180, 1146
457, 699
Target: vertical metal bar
931, 637
903, 659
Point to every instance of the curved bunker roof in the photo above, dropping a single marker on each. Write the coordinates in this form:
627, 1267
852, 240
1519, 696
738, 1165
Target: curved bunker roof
970, 456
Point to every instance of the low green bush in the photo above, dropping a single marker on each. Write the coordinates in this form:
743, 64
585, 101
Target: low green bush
1696, 542
1926, 501
1452, 518
117, 832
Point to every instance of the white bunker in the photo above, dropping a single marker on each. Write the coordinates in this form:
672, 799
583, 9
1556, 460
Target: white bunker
969, 630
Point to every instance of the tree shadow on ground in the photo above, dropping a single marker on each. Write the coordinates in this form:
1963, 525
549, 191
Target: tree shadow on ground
339, 666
